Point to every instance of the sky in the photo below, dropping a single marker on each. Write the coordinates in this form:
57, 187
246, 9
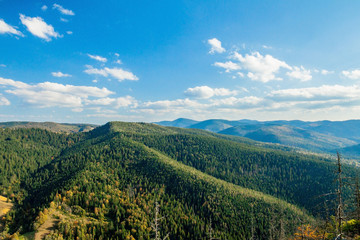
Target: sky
114, 60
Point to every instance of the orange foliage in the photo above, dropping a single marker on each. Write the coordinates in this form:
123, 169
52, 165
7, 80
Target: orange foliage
306, 232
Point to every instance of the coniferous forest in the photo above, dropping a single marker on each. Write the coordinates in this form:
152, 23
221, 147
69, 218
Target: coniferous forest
144, 181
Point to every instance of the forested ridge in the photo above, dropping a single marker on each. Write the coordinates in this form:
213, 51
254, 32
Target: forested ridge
106, 184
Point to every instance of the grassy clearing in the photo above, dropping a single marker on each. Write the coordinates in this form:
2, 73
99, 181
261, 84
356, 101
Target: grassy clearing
5, 206
48, 226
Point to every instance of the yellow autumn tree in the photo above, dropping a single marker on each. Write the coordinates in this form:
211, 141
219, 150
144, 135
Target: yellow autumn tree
306, 232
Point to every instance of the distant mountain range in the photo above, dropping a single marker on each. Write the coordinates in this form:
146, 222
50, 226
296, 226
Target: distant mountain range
318, 136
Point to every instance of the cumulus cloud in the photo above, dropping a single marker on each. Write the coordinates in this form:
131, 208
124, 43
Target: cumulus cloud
126, 102
215, 46
117, 73
229, 65
300, 73
4, 101
354, 74
95, 71
49, 94
208, 92
97, 58
60, 74
260, 68
325, 92
63, 10
44, 8
6, 28
39, 28
121, 74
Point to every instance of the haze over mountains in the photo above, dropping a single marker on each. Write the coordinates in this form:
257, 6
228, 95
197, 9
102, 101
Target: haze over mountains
318, 136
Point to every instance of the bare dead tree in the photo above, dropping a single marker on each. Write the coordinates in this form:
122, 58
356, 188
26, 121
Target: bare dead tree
210, 231
252, 223
340, 199
357, 198
156, 224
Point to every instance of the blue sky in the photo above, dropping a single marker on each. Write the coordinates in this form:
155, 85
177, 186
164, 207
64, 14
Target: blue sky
98, 61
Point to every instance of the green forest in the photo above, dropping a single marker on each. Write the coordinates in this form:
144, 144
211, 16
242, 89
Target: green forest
144, 181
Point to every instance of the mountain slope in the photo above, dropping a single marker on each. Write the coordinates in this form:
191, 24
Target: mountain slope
51, 126
112, 177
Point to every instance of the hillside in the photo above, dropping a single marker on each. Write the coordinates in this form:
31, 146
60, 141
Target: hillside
112, 177
51, 126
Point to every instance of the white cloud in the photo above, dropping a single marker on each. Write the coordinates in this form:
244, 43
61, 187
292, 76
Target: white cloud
121, 74
69, 32
12, 83
48, 94
266, 47
326, 72
91, 70
208, 92
64, 20
243, 103
39, 28
4, 101
77, 110
215, 46
44, 8
2, 65
126, 102
63, 10
60, 74
120, 102
102, 101
118, 61
6, 28
240, 74
261, 68
117, 73
97, 58
300, 73
117, 55
171, 104
229, 65
325, 92
354, 75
